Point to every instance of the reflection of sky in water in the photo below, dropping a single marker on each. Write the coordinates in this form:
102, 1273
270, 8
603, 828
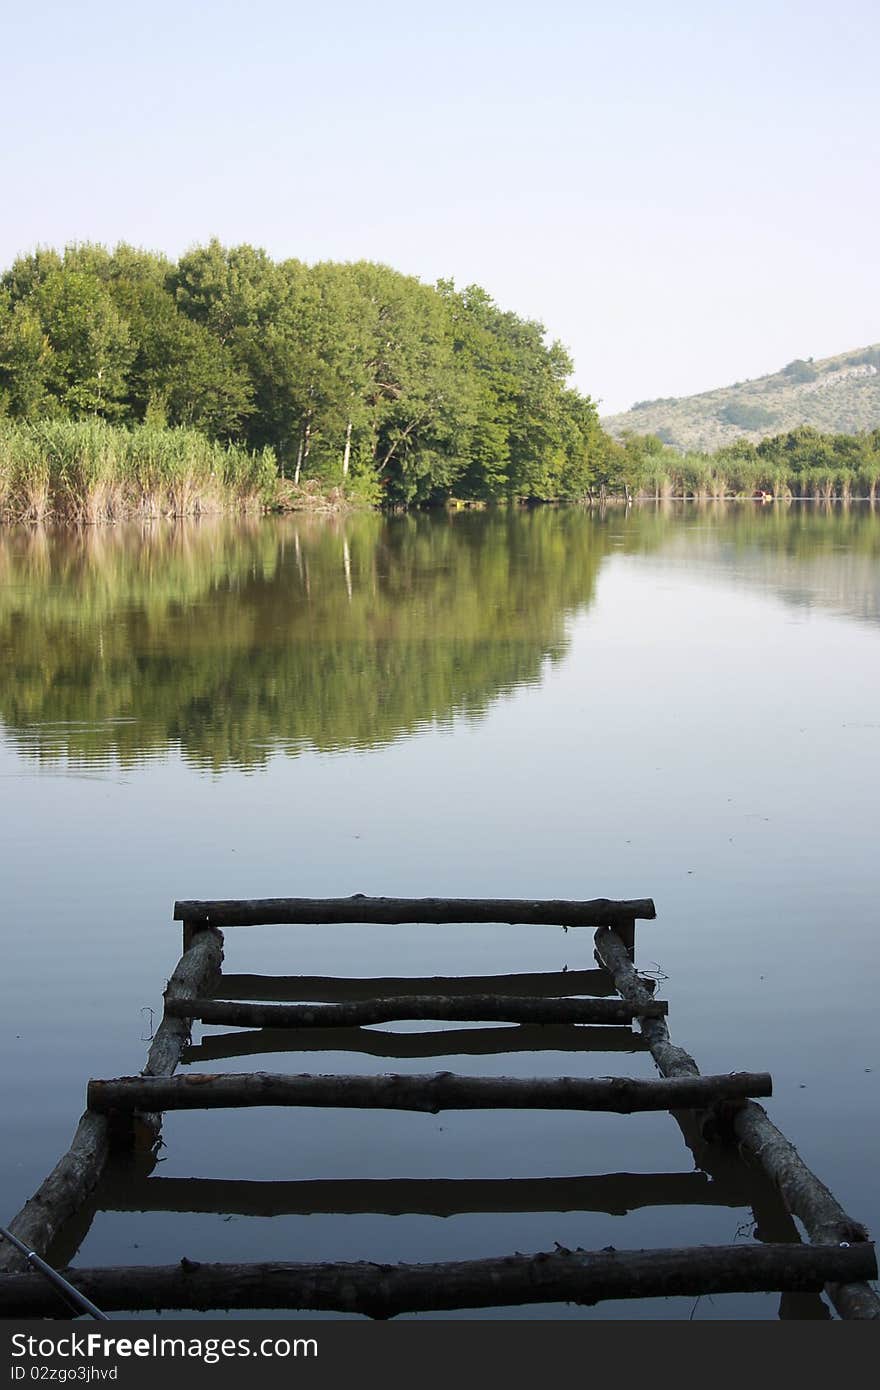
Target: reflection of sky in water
700, 741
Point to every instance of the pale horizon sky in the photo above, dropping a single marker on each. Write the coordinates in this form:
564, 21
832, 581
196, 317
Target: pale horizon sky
684, 194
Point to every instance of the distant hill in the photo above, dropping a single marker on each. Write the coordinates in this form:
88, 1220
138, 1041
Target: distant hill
838, 395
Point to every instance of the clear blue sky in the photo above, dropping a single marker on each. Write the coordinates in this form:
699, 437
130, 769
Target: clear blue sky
685, 193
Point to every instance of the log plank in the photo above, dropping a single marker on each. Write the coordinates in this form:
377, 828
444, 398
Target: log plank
598, 912
431, 1093
384, 1291
453, 1008
805, 1196
78, 1170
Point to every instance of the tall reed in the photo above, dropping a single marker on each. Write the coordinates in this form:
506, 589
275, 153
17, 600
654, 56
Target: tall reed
703, 476
87, 471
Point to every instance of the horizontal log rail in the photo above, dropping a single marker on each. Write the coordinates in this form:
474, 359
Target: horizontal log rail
432, 1093
384, 1291
615, 1193
438, 1042
318, 1013
251, 912
477, 1008
336, 989
803, 1193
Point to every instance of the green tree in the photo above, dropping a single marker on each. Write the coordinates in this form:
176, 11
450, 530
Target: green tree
91, 349
352, 374
25, 361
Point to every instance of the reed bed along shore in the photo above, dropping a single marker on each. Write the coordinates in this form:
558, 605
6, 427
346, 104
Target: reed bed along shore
88, 471
700, 480
801, 465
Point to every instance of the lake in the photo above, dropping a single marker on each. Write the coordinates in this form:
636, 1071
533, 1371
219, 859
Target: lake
674, 702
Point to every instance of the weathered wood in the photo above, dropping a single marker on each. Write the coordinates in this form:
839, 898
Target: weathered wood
672, 1061
432, 1093
336, 989
439, 1042
808, 1198
774, 1222
803, 1193
615, 1193
384, 1291
78, 1170
478, 1008
59, 1195
626, 930
196, 972
539, 912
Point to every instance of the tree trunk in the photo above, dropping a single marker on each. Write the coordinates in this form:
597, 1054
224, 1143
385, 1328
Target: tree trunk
452, 1008
621, 1095
303, 451
383, 1291
600, 912
77, 1172
804, 1195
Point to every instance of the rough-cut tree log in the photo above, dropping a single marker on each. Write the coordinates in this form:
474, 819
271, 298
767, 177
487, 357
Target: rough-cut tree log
600, 912
76, 1173
59, 1195
196, 972
336, 989
803, 1193
808, 1198
615, 1193
672, 1060
432, 1093
454, 1008
442, 1042
383, 1291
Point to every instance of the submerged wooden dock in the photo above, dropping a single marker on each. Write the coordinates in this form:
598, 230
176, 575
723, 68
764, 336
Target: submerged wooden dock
741, 1157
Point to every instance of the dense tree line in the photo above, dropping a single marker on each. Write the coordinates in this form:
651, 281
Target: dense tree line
350, 373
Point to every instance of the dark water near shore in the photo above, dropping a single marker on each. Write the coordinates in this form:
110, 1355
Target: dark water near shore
679, 703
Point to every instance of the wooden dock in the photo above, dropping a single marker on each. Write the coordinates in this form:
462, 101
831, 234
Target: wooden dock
742, 1158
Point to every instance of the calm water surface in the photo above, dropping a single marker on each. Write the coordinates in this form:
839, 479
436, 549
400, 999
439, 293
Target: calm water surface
679, 704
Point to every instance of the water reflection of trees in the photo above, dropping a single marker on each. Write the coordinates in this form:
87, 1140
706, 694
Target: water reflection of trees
233, 640
812, 555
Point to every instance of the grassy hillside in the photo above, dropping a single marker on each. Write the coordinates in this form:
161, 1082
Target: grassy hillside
837, 395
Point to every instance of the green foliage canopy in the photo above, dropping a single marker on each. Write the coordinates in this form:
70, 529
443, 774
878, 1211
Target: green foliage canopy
347, 371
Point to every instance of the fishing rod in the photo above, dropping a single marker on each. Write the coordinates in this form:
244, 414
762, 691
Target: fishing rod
72, 1297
